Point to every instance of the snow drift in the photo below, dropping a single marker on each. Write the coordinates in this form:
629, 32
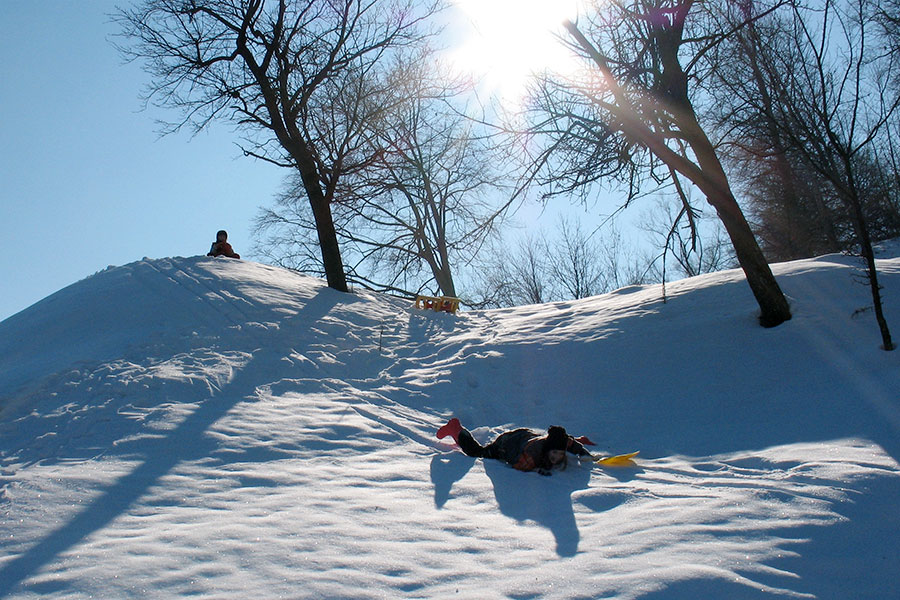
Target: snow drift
196, 426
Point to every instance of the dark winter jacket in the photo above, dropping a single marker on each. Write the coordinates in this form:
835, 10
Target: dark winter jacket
222, 249
523, 449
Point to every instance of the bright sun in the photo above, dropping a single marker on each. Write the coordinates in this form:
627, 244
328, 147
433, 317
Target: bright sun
509, 40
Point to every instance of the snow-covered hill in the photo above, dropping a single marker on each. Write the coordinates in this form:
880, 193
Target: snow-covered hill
224, 429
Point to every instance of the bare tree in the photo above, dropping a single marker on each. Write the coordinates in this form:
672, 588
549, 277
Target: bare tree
632, 115
569, 265
437, 192
830, 96
430, 198
887, 16
574, 263
797, 213
679, 235
622, 263
273, 68
513, 275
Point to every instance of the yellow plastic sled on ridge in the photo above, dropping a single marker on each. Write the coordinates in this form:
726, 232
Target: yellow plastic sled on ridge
619, 460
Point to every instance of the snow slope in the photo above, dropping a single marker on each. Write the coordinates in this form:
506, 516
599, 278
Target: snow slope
224, 429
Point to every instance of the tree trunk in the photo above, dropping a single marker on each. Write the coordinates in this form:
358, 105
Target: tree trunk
774, 307
445, 283
444, 276
865, 242
332, 262
869, 254
292, 140
708, 174
328, 242
439, 264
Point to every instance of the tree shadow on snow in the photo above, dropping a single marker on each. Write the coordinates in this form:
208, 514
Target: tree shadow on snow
186, 442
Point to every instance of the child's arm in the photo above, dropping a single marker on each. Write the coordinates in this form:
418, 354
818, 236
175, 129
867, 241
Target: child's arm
576, 447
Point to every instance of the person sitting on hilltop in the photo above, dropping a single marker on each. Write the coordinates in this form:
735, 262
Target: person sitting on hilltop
221, 247
524, 449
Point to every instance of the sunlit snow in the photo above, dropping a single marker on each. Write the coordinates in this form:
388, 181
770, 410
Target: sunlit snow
225, 429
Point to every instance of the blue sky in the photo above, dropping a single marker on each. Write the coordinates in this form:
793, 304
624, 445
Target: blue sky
85, 179
87, 182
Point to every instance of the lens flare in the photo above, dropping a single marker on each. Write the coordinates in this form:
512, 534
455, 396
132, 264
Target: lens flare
505, 42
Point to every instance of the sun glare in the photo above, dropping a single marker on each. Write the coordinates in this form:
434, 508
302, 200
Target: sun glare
507, 41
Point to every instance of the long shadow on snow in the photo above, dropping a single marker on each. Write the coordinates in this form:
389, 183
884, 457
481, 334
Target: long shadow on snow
447, 469
186, 442
528, 496
543, 500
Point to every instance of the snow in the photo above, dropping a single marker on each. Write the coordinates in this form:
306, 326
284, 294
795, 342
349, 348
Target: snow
225, 429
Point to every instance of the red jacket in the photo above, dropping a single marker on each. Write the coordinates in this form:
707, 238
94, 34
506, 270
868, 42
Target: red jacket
222, 249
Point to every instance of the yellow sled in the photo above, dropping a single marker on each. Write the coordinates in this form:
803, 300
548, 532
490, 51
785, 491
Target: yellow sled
619, 460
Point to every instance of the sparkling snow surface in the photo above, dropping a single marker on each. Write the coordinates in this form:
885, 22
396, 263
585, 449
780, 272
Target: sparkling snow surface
223, 429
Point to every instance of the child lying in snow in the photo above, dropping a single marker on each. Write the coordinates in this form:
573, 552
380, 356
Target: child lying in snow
524, 449
221, 247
